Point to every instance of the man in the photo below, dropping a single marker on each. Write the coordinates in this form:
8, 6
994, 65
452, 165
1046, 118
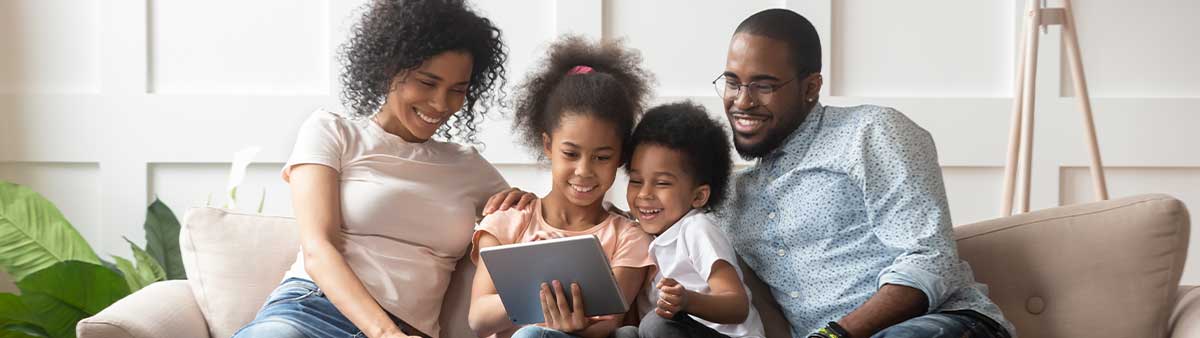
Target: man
844, 214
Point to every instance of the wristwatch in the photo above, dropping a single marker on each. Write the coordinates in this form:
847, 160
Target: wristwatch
831, 330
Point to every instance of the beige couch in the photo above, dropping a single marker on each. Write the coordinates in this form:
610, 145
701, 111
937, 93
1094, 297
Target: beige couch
1106, 269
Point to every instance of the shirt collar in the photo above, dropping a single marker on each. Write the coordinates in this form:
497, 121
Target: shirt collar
798, 141
669, 236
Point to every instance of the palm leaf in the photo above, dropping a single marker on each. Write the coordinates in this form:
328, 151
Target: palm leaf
34, 234
162, 239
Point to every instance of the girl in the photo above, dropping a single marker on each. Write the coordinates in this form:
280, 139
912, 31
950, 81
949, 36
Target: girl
385, 212
578, 112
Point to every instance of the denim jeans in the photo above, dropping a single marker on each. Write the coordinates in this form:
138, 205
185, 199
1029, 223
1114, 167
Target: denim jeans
946, 324
533, 331
655, 326
297, 309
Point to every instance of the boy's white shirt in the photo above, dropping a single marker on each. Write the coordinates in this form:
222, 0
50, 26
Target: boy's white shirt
686, 252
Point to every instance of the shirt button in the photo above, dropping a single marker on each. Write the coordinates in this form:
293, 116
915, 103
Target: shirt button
794, 294
771, 215
782, 252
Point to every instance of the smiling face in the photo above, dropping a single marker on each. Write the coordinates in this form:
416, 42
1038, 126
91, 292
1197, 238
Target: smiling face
423, 98
584, 154
660, 191
761, 122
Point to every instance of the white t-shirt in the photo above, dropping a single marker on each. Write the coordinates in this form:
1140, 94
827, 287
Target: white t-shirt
408, 209
686, 252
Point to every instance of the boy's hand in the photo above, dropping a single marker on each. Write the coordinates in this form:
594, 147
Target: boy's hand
672, 298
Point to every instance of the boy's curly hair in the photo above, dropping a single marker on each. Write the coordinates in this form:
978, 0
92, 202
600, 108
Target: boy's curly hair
398, 35
615, 90
687, 128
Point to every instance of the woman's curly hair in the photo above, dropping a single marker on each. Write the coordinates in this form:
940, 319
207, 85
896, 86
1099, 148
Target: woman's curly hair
686, 127
615, 90
398, 35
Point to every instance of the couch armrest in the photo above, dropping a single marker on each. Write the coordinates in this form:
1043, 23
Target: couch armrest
1185, 319
162, 309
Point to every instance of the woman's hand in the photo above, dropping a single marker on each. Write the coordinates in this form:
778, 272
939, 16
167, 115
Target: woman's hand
672, 298
511, 197
568, 318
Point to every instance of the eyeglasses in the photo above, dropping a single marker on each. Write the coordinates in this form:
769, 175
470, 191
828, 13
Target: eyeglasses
729, 89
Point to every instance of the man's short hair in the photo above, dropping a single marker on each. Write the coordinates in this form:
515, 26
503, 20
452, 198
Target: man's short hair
791, 28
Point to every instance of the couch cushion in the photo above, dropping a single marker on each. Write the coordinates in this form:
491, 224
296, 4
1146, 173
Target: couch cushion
1104, 269
234, 260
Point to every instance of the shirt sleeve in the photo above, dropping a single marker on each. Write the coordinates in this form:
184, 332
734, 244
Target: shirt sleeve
321, 140
898, 172
506, 226
707, 245
633, 249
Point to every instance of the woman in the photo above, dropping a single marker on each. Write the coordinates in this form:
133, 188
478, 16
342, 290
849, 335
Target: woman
384, 211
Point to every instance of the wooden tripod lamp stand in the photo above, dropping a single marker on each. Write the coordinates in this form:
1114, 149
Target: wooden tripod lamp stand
1021, 131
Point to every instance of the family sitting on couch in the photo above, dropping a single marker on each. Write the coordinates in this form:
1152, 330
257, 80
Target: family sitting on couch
843, 214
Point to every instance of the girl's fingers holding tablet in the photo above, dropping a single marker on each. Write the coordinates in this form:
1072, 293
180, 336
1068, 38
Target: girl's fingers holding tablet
577, 299
548, 305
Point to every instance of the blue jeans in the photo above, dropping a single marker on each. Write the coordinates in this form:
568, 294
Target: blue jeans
946, 324
297, 309
532, 331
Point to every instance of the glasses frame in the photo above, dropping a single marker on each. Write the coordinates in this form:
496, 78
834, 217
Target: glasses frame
756, 86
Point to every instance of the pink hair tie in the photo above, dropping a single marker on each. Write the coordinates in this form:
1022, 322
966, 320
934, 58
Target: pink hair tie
579, 70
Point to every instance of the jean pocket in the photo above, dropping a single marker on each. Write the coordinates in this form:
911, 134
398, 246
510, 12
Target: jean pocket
291, 291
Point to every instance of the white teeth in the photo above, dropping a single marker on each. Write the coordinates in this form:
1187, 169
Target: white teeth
582, 189
427, 118
747, 122
650, 211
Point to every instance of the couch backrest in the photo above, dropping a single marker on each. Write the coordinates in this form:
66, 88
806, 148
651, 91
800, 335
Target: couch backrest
1104, 269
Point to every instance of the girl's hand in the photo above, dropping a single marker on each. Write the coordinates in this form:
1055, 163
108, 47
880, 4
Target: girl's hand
511, 197
568, 318
672, 298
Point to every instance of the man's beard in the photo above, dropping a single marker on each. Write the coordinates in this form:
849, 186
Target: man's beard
772, 141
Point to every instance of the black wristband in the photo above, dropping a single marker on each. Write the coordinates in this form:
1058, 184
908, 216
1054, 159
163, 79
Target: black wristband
838, 329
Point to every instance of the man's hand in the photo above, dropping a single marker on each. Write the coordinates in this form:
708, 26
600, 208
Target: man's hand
511, 197
672, 298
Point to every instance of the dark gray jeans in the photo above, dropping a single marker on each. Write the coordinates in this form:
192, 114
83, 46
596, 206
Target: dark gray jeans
655, 326
966, 323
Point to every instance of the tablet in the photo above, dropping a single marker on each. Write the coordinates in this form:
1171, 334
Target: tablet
518, 271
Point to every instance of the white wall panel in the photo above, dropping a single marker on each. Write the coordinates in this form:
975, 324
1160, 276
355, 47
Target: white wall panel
926, 48
974, 192
73, 187
1139, 48
239, 47
49, 46
683, 43
186, 185
1181, 182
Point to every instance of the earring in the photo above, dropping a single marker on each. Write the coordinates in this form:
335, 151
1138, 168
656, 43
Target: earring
811, 99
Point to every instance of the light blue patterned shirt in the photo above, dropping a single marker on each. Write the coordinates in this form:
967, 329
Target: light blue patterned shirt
851, 201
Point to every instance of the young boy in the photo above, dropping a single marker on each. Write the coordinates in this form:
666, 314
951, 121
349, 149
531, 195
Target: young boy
679, 170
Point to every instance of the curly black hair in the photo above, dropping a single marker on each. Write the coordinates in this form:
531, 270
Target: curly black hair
398, 35
687, 128
615, 90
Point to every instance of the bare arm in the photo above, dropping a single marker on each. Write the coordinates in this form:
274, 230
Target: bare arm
316, 199
726, 303
487, 315
889, 306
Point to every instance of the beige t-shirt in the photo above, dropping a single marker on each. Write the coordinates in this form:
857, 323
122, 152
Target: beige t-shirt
408, 209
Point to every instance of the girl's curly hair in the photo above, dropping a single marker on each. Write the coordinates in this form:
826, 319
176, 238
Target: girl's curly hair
398, 35
615, 90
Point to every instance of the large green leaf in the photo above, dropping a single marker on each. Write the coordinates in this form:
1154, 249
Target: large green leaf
147, 267
22, 330
84, 286
16, 319
162, 239
132, 278
34, 234
55, 316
